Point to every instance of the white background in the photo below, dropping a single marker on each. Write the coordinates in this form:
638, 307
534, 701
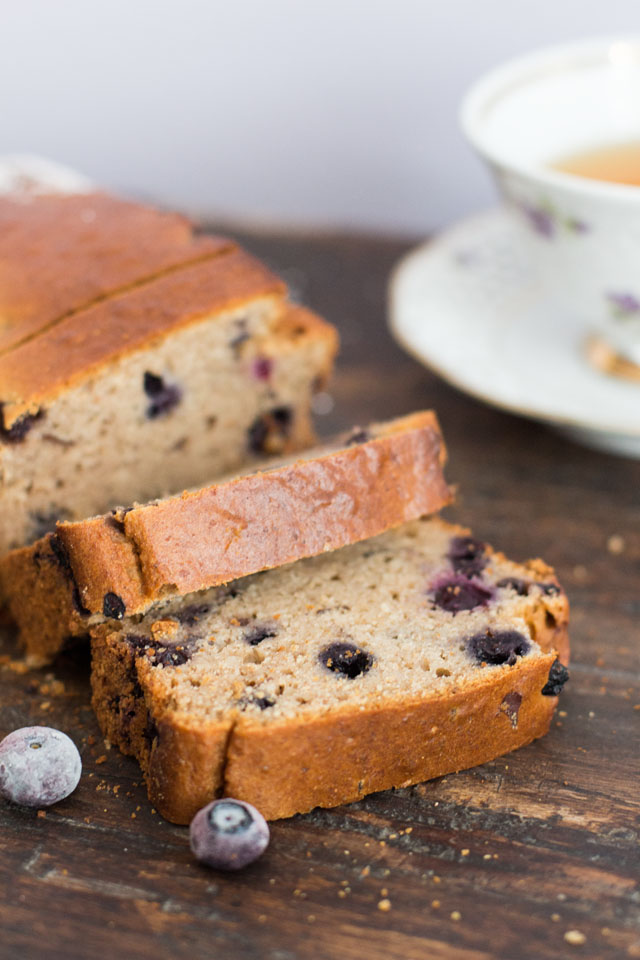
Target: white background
332, 113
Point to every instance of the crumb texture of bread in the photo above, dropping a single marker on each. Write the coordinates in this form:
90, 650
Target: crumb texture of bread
137, 358
276, 511
414, 654
192, 404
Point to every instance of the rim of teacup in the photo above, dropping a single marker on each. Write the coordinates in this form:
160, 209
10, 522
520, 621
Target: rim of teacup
491, 86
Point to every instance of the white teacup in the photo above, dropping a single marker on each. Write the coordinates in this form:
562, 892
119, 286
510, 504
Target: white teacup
582, 236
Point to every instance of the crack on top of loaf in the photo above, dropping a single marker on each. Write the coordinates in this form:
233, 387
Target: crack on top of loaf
118, 292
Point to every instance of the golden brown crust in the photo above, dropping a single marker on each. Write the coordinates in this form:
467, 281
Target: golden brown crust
33, 373
59, 254
231, 529
290, 767
187, 763
36, 586
228, 530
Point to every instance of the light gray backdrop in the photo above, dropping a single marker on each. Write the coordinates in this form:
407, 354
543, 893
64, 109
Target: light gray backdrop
332, 113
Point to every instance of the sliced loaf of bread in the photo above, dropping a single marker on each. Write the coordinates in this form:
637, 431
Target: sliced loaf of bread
155, 390
388, 662
355, 487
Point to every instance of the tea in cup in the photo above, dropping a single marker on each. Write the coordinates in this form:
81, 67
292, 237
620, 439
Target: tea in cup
560, 131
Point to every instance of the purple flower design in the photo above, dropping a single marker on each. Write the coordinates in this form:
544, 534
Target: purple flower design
548, 222
577, 226
623, 305
540, 220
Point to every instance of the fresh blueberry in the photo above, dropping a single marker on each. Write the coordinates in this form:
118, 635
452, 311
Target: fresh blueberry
164, 396
162, 654
113, 606
38, 766
357, 436
263, 702
191, 614
259, 632
228, 834
501, 646
269, 431
550, 589
521, 587
19, 428
461, 594
558, 676
467, 555
347, 659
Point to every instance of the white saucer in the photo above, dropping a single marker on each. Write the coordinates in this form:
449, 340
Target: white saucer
466, 306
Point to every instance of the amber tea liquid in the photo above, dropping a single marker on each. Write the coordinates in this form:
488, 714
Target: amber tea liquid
617, 163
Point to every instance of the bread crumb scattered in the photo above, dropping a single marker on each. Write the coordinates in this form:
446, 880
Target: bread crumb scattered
102, 759
465, 852
435, 904
580, 573
555, 917
456, 915
384, 905
615, 544
42, 814
575, 937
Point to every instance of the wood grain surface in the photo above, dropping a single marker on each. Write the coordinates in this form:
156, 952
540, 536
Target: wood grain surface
532, 857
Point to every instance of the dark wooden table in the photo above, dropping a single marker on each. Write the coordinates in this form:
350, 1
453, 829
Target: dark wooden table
517, 859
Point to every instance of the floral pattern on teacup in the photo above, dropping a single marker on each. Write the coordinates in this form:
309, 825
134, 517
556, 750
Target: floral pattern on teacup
547, 221
623, 306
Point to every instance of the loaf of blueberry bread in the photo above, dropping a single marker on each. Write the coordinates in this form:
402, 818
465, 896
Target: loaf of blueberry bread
408, 656
120, 564
62, 251
154, 390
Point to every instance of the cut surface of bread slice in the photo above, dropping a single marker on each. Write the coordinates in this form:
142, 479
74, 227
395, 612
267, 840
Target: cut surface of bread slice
152, 392
405, 657
350, 489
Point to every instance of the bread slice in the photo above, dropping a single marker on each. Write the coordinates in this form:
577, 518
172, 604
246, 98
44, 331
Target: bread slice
117, 565
412, 655
153, 391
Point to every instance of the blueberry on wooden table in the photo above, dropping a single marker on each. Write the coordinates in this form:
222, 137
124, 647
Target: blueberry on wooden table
38, 766
228, 834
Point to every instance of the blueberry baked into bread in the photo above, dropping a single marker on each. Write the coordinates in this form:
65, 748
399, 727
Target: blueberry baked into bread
151, 390
388, 662
119, 564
